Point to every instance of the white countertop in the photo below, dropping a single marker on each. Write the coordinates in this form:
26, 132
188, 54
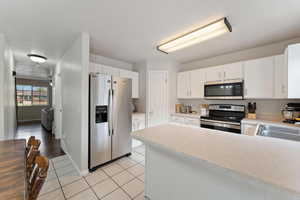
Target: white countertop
271, 160
190, 115
264, 121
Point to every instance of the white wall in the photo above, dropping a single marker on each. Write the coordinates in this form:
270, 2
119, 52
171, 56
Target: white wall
110, 62
74, 76
7, 92
258, 52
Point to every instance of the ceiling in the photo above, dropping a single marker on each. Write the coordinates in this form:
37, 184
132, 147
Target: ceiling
130, 30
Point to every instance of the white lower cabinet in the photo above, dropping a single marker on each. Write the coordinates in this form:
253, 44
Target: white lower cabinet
249, 128
186, 120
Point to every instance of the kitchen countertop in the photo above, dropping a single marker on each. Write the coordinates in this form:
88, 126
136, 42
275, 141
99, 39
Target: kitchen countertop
270, 160
191, 115
277, 122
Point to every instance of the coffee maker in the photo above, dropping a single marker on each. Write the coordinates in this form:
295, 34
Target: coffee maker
291, 113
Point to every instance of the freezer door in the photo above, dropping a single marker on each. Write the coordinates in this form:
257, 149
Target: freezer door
99, 135
121, 123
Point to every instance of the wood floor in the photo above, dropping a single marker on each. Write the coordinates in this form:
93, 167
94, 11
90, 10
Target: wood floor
50, 147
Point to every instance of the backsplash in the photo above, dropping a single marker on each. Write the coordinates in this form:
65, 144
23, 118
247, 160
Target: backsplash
266, 108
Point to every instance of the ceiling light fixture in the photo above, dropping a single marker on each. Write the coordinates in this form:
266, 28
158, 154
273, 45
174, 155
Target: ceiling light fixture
37, 58
201, 34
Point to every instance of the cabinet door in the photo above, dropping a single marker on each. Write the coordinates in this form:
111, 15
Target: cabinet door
183, 85
233, 71
280, 77
249, 129
135, 85
214, 74
259, 78
197, 79
135, 81
110, 71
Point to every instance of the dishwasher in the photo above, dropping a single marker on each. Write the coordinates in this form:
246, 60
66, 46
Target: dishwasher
288, 133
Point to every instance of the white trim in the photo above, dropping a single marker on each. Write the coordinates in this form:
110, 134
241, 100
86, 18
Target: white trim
83, 172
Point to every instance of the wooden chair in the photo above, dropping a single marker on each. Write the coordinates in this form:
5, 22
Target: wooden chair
38, 177
32, 154
32, 142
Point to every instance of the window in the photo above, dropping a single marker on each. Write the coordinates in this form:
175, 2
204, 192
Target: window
28, 95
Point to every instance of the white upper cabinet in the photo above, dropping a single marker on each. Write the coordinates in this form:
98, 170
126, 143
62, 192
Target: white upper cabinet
233, 71
197, 80
135, 81
280, 77
103, 69
110, 70
183, 85
259, 78
190, 84
214, 74
292, 61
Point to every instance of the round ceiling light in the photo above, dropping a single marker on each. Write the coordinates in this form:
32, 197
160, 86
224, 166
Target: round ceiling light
37, 58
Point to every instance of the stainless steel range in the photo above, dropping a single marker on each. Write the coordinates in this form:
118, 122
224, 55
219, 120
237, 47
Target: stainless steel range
225, 117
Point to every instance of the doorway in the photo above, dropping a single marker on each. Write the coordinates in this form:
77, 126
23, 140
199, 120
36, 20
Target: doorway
35, 114
158, 108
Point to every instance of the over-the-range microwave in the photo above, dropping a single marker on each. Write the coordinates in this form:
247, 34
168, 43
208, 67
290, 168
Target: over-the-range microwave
224, 90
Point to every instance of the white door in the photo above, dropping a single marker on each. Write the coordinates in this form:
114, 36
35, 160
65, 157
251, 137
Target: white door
183, 85
57, 94
233, 71
259, 78
214, 74
158, 110
197, 80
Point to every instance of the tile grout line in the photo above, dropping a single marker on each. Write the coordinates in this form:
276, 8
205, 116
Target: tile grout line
61, 189
90, 186
118, 184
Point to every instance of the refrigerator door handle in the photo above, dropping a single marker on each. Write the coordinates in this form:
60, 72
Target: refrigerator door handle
109, 112
112, 117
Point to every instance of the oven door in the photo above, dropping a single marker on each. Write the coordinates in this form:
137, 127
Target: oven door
232, 127
229, 90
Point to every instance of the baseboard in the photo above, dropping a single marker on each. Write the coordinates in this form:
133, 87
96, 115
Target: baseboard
64, 147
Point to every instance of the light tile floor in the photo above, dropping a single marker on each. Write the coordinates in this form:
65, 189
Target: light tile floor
120, 180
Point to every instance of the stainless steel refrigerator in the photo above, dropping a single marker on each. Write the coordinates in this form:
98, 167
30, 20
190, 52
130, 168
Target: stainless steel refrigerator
109, 119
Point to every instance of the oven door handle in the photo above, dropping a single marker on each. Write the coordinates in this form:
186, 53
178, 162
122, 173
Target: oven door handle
222, 122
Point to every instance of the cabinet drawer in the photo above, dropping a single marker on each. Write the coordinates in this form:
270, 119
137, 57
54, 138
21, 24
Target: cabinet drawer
192, 122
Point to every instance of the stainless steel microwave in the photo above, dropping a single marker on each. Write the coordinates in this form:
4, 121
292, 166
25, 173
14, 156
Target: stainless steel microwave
224, 90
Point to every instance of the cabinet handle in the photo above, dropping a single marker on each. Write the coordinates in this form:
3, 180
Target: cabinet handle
283, 88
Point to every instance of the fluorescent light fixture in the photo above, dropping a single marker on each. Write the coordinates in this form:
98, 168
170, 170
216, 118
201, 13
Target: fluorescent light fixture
207, 32
37, 58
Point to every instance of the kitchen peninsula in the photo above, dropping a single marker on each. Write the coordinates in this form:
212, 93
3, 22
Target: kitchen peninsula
194, 163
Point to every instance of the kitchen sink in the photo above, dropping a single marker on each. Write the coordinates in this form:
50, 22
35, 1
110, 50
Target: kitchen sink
288, 133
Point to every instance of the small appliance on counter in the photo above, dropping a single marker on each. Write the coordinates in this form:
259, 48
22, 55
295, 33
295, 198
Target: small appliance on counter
224, 117
251, 110
291, 113
186, 108
178, 108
